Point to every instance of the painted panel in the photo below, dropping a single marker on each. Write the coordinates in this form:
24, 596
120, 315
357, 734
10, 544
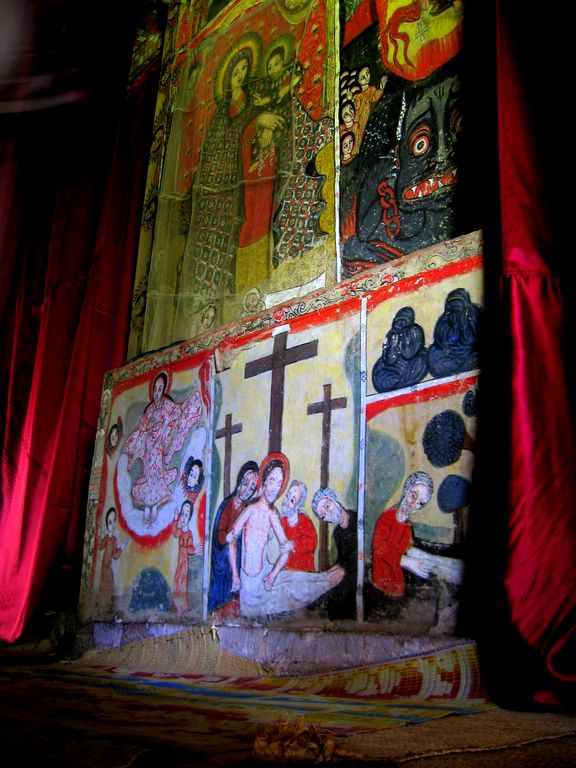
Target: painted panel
400, 129
420, 454
147, 534
245, 200
297, 435
429, 330
420, 409
290, 402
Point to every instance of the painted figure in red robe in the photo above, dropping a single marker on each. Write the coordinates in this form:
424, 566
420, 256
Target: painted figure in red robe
108, 545
181, 531
298, 528
392, 549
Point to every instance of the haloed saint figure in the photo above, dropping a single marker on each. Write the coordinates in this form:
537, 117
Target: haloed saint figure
406, 173
161, 431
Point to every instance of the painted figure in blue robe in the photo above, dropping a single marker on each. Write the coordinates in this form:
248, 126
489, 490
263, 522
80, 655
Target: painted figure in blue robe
220, 592
455, 345
403, 362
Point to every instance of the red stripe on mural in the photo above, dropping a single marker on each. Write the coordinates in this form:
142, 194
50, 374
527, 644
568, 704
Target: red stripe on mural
185, 363
421, 395
423, 279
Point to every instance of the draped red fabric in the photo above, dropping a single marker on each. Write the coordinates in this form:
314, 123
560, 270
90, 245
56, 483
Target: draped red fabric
540, 571
70, 219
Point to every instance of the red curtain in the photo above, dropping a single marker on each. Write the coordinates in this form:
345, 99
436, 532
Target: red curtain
523, 527
74, 165
540, 574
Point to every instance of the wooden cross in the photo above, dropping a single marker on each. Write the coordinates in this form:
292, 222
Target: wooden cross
276, 362
325, 407
226, 432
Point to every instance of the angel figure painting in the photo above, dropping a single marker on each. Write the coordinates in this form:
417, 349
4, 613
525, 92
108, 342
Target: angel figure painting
161, 431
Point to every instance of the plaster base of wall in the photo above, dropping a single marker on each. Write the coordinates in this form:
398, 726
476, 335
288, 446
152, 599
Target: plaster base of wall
283, 651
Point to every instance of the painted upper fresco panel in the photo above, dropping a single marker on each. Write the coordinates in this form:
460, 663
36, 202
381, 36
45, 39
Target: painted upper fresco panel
244, 211
296, 143
400, 129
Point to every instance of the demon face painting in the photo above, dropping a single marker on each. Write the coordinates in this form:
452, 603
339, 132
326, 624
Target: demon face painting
401, 194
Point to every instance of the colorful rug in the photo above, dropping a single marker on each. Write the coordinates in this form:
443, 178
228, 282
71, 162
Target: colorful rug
380, 696
217, 716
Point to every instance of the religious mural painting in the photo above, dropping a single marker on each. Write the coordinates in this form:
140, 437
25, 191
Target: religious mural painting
241, 208
284, 540
307, 465
422, 382
250, 183
147, 539
400, 125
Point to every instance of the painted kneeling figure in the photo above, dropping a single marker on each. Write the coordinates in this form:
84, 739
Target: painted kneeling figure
392, 550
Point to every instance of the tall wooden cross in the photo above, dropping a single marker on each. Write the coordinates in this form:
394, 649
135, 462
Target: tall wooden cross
325, 407
276, 362
226, 432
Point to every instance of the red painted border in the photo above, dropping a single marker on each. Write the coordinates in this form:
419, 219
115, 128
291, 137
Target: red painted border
421, 395
422, 279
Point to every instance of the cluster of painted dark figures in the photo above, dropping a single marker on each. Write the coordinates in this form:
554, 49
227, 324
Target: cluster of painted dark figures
405, 358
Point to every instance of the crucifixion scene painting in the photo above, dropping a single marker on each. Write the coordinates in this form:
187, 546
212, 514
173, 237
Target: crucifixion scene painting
283, 542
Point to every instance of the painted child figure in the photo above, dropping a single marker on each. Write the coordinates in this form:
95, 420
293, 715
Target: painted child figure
108, 545
186, 547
